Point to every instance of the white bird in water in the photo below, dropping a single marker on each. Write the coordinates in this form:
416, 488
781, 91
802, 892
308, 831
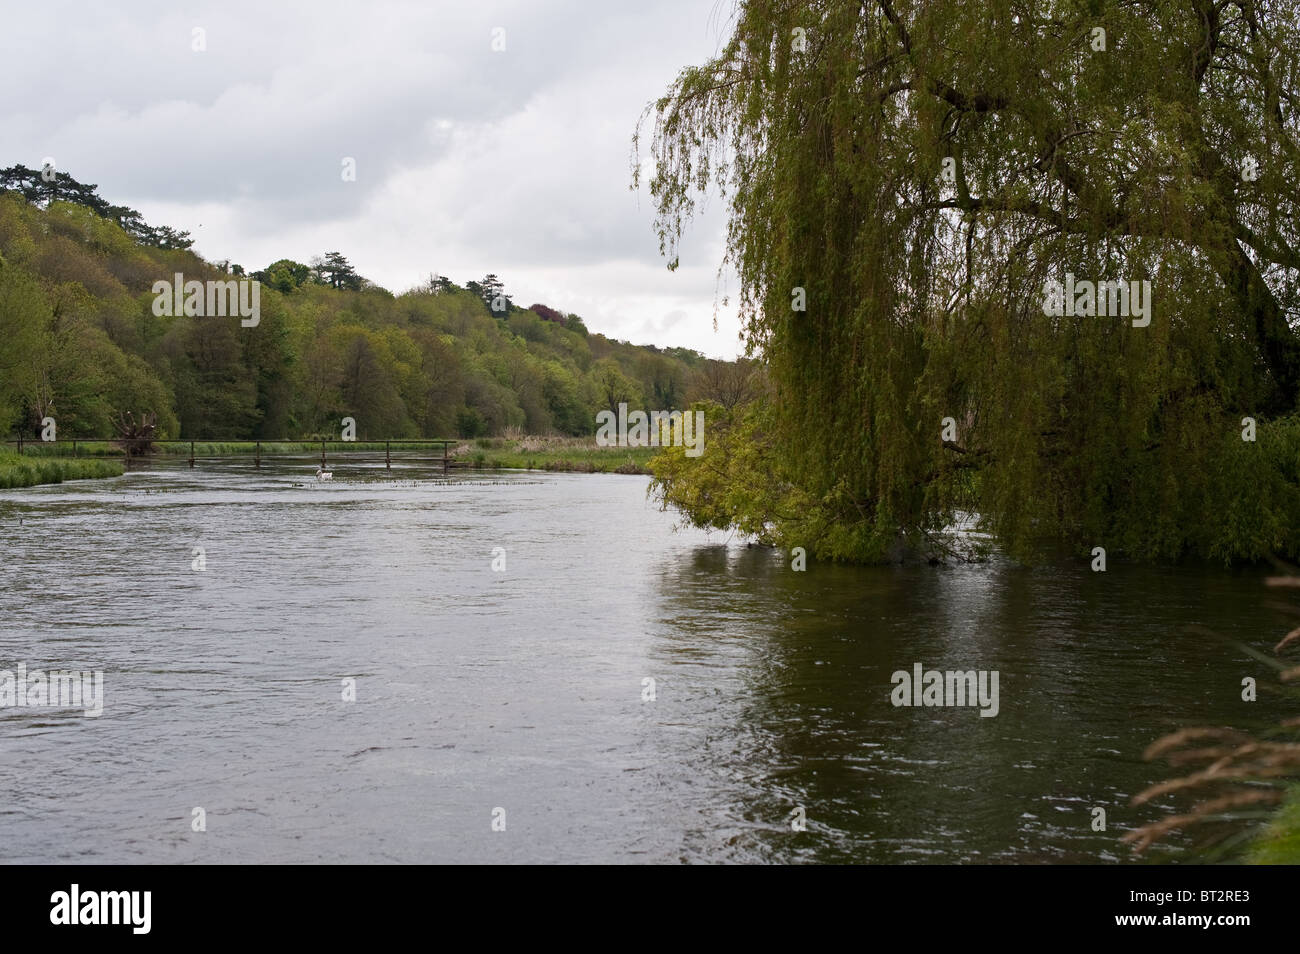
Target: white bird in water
324, 474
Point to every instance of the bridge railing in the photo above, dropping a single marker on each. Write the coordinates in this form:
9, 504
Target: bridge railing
256, 447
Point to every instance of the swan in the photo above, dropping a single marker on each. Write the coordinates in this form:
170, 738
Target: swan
324, 474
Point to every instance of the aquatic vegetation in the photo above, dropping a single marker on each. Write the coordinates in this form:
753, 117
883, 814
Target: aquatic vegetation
24, 471
1237, 777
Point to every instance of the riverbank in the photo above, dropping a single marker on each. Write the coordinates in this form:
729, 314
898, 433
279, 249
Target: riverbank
564, 454
180, 448
28, 471
1279, 843
575, 454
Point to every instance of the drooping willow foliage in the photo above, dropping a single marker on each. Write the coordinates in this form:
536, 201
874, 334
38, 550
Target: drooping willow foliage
918, 171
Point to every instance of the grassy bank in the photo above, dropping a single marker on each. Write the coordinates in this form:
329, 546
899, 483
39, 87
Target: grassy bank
1279, 844
24, 471
214, 448
309, 448
576, 454
554, 453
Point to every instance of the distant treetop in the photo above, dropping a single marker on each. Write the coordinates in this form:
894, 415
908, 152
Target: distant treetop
548, 314
43, 186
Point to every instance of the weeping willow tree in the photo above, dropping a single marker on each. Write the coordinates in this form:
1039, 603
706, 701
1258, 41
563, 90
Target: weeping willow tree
916, 176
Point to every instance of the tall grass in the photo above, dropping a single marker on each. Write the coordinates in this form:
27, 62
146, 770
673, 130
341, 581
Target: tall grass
581, 455
24, 471
63, 449
1245, 786
1279, 843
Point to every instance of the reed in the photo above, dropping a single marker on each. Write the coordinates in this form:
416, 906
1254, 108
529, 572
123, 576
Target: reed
24, 471
1235, 776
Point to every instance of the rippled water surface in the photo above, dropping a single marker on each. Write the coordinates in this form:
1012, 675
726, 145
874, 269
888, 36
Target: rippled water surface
522, 689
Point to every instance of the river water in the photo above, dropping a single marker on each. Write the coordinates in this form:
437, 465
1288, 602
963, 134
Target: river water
518, 696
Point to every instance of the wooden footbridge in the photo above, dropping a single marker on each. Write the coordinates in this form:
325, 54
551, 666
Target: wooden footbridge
141, 448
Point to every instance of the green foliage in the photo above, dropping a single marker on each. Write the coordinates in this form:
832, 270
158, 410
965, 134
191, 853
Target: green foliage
491, 291
737, 482
580, 455
337, 272
82, 345
924, 293
23, 313
611, 386
49, 188
285, 275
1279, 843
24, 471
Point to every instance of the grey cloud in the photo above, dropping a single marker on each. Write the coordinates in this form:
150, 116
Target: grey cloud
517, 161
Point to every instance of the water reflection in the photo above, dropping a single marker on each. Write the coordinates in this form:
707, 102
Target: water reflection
1093, 667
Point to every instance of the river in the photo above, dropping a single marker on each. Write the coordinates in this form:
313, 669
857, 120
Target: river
504, 715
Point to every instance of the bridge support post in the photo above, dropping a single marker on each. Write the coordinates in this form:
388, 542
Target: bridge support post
257, 458
388, 456
191, 455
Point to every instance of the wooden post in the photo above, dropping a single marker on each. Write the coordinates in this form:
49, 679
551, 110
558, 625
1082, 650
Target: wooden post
444, 457
20, 443
322, 455
257, 459
74, 447
191, 455
388, 456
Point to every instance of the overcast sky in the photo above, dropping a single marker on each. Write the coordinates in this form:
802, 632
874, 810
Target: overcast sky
468, 160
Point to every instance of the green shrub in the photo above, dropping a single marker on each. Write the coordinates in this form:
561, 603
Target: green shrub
24, 471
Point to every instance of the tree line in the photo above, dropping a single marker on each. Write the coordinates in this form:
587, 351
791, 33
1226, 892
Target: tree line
46, 185
82, 345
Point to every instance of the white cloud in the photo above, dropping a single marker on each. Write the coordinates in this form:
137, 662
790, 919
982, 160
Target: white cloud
468, 161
